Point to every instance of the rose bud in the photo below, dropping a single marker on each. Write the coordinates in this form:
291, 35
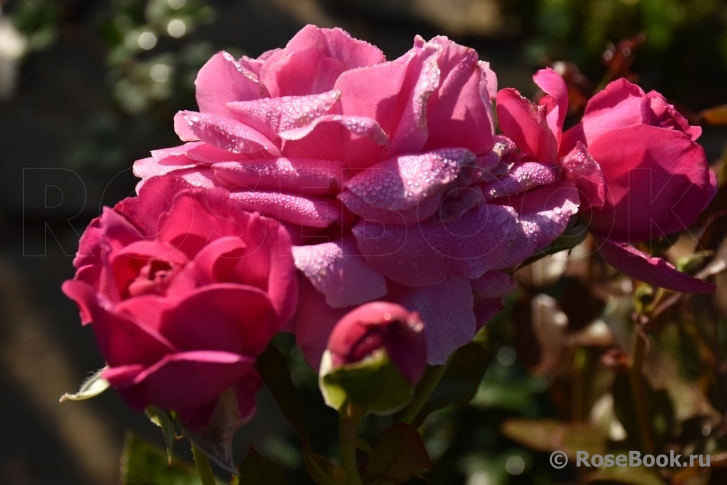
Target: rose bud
376, 354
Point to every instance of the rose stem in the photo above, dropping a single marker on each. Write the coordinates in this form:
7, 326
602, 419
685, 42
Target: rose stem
203, 467
638, 392
425, 389
350, 416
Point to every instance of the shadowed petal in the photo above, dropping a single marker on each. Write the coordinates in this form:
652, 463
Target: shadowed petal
338, 270
182, 381
314, 322
654, 271
446, 310
402, 183
222, 317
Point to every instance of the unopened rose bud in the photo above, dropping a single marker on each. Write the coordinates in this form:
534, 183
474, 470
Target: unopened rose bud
381, 325
376, 354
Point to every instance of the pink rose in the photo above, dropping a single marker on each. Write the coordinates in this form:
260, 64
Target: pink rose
388, 174
381, 326
634, 160
184, 289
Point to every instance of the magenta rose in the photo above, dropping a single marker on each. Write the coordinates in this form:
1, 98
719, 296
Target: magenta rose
183, 289
633, 157
388, 174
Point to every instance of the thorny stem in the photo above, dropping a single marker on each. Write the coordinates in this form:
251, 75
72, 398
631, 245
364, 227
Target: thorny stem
203, 467
350, 416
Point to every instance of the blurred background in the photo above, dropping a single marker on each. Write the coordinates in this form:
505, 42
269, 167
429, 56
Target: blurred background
89, 86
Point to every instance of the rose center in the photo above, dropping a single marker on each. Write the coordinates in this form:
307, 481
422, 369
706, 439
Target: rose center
154, 278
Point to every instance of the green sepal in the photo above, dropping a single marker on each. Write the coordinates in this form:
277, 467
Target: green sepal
91, 387
374, 383
165, 420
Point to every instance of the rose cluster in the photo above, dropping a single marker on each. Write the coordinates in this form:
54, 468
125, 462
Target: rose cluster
320, 177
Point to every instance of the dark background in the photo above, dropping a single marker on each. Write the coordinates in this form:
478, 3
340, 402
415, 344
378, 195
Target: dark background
84, 108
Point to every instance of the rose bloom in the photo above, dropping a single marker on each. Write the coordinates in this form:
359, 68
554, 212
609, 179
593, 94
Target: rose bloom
388, 174
183, 289
634, 158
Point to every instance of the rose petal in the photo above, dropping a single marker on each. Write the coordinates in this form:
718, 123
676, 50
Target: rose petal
486, 308
147, 168
665, 115
658, 186
121, 340
314, 322
222, 80
221, 317
182, 381
619, 105
313, 60
111, 231
338, 270
222, 132
484, 238
403, 182
374, 92
217, 262
155, 197
526, 124
521, 178
356, 141
272, 115
493, 284
198, 217
586, 173
423, 78
446, 310
293, 175
425, 209
556, 99
309, 211
651, 270
458, 114
545, 211
198, 152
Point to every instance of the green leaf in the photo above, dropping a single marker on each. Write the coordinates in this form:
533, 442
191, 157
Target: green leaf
274, 370
549, 435
258, 470
398, 456
374, 384
92, 387
460, 381
165, 421
143, 463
